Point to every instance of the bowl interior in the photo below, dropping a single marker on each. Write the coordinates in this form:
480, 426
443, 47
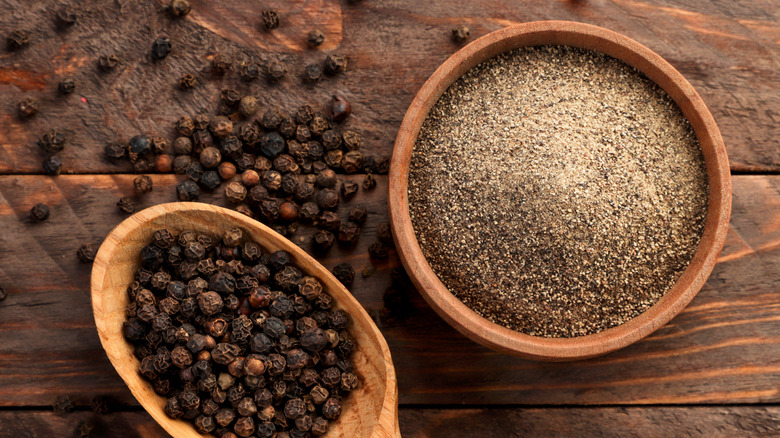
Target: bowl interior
371, 410
596, 39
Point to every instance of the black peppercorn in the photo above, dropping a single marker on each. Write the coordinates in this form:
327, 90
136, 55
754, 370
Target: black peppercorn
27, 107
352, 161
17, 40
52, 141
312, 72
220, 63
161, 47
39, 212
276, 71
384, 233
270, 19
66, 86
323, 240
358, 215
345, 273
315, 38
460, 33
248, 70
107, 62
126, 205
187, 191
140, 145
335, 64
327, 199
188, 82
179, 8
52, 165
86, 254
142, 184
369, 182
271, 144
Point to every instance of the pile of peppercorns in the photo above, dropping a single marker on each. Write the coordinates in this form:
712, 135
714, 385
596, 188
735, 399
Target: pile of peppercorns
280, 169
239, 340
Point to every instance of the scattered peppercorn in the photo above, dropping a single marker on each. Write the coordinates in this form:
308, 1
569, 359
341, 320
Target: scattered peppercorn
126, 205
179, 8
39, 212
315, 38
27, 107
270, 19
66, 86
384, 233
340, 108
220, 63
187, 191
276, 71
335, 64
345, 273
460, 33
107, 63
161, 47
312, 73
52, 165
18, 40
188, 82
248, 70
378, 250
142, 184
369, 182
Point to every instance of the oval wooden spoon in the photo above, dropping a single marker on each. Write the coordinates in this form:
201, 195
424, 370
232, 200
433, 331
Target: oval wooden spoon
370, 411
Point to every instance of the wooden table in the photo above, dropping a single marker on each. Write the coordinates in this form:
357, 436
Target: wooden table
713, 371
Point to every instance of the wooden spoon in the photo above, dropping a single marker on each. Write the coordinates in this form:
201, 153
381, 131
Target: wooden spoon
370, 411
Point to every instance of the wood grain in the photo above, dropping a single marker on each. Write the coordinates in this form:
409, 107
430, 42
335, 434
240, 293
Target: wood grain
730, 53
656, 422
721, 349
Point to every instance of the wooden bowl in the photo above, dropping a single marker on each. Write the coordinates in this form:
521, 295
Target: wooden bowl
370, 411
596, 39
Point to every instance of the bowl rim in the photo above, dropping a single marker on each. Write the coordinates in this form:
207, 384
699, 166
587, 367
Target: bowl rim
597, 39
386, 424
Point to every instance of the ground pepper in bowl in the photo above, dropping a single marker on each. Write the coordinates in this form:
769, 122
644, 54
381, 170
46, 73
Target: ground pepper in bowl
556, 191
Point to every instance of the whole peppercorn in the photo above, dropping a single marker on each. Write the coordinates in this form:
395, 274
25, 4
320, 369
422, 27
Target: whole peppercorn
226, 170
312, 72
288, 211
66, 86
142, 184
195, 171
348, 189
349, 233
65, 18
276, 71
210, 157
210, 180
126, 205
378, 250
331, 139
244, 161
340, 108
161, 47
315, 38
115, 151
179, 8
369, 182
205, 424
52, 141
52, 165
87, 252
185, 126
271, 119
140, 145
318, 125
248, 106
287, 127
235, 192
285, 163
159, 145
187, 191
309, 211
351, 140
326, 178
188, 82
323, 240
335, 64
272, 180
302, 133
107, 63
250, 178
331, 409
39, 212
384, 233
270, 19
358, 215
269, 209
17, 40
327, 199
181, 163
352, 161
304, 192
244, 427
230, 97
460, 33
294, 408
225, 416
248, 70
345, 273
27, 107
304, 114
221, 126
163, 163
220, 63
328, 220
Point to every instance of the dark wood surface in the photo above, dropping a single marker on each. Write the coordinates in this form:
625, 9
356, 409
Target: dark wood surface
714, 370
